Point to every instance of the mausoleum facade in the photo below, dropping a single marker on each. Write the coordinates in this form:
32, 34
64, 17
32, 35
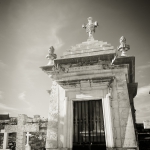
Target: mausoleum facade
91, 98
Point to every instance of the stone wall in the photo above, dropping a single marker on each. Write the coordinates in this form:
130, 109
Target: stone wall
52, 127
124, 133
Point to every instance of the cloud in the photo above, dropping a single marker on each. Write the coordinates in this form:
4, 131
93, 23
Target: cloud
54, 39
22, 97
142, 103
1, 95
3, 106
144, 66
2, 65
143, 91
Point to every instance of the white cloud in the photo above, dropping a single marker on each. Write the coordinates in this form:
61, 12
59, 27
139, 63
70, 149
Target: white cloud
1, 95
144, 66
3, 106
55, 41
2, 65
22, 97
143, 91
142, 103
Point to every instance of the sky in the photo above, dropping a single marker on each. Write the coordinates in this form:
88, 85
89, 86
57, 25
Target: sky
29, 27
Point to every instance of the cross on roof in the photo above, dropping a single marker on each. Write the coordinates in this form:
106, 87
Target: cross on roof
90, 27
21, 128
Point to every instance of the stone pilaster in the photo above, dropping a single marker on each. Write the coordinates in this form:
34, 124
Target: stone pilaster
52, 127
125, 120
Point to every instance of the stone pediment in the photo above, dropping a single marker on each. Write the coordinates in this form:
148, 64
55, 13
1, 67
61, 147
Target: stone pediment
89, 48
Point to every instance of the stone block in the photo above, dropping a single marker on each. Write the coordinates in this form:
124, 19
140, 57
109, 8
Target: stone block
127, 132
116, 123
51, 144
115, 113
124, 112
121, 85
114, 104
85, 84
118, 143
123, 122
127, 121
129, 142
117, 133
122, 95
120, 76
124, 104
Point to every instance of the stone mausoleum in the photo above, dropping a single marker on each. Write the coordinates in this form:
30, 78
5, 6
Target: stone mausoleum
91, 98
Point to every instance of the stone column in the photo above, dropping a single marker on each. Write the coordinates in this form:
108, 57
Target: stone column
128, 139
52, 127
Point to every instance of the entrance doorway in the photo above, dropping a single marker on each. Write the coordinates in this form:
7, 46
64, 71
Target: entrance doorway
88, 125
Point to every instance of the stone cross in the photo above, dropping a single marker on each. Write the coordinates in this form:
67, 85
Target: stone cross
28, 147
5, 141
20, 129
90, 27
28, 135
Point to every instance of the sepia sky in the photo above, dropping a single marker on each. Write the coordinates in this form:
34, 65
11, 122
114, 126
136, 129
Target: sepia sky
29, 27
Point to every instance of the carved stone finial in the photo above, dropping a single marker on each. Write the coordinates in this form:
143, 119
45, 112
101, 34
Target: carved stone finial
123, 47
51, 56
90, 28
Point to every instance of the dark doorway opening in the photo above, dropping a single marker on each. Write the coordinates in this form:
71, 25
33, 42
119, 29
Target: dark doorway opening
88, 125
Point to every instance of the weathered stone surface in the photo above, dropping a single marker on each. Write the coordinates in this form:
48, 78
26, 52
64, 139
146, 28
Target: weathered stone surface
116, 123
124, 104
87, 48
129, 142
52, 128
117, 132
114, 104
121, 85
122, 95
118, 143
115, 113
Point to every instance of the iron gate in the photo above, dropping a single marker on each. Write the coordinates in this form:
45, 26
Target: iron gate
88, 133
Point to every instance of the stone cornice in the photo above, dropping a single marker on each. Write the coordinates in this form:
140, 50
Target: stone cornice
131, 62
82, 59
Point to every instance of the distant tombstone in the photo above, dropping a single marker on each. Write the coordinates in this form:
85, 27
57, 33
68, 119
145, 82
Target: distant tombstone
20, 129
146, 124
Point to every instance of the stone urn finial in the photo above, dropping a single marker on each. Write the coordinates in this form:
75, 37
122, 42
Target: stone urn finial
90, 28
123, 47
51, 56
